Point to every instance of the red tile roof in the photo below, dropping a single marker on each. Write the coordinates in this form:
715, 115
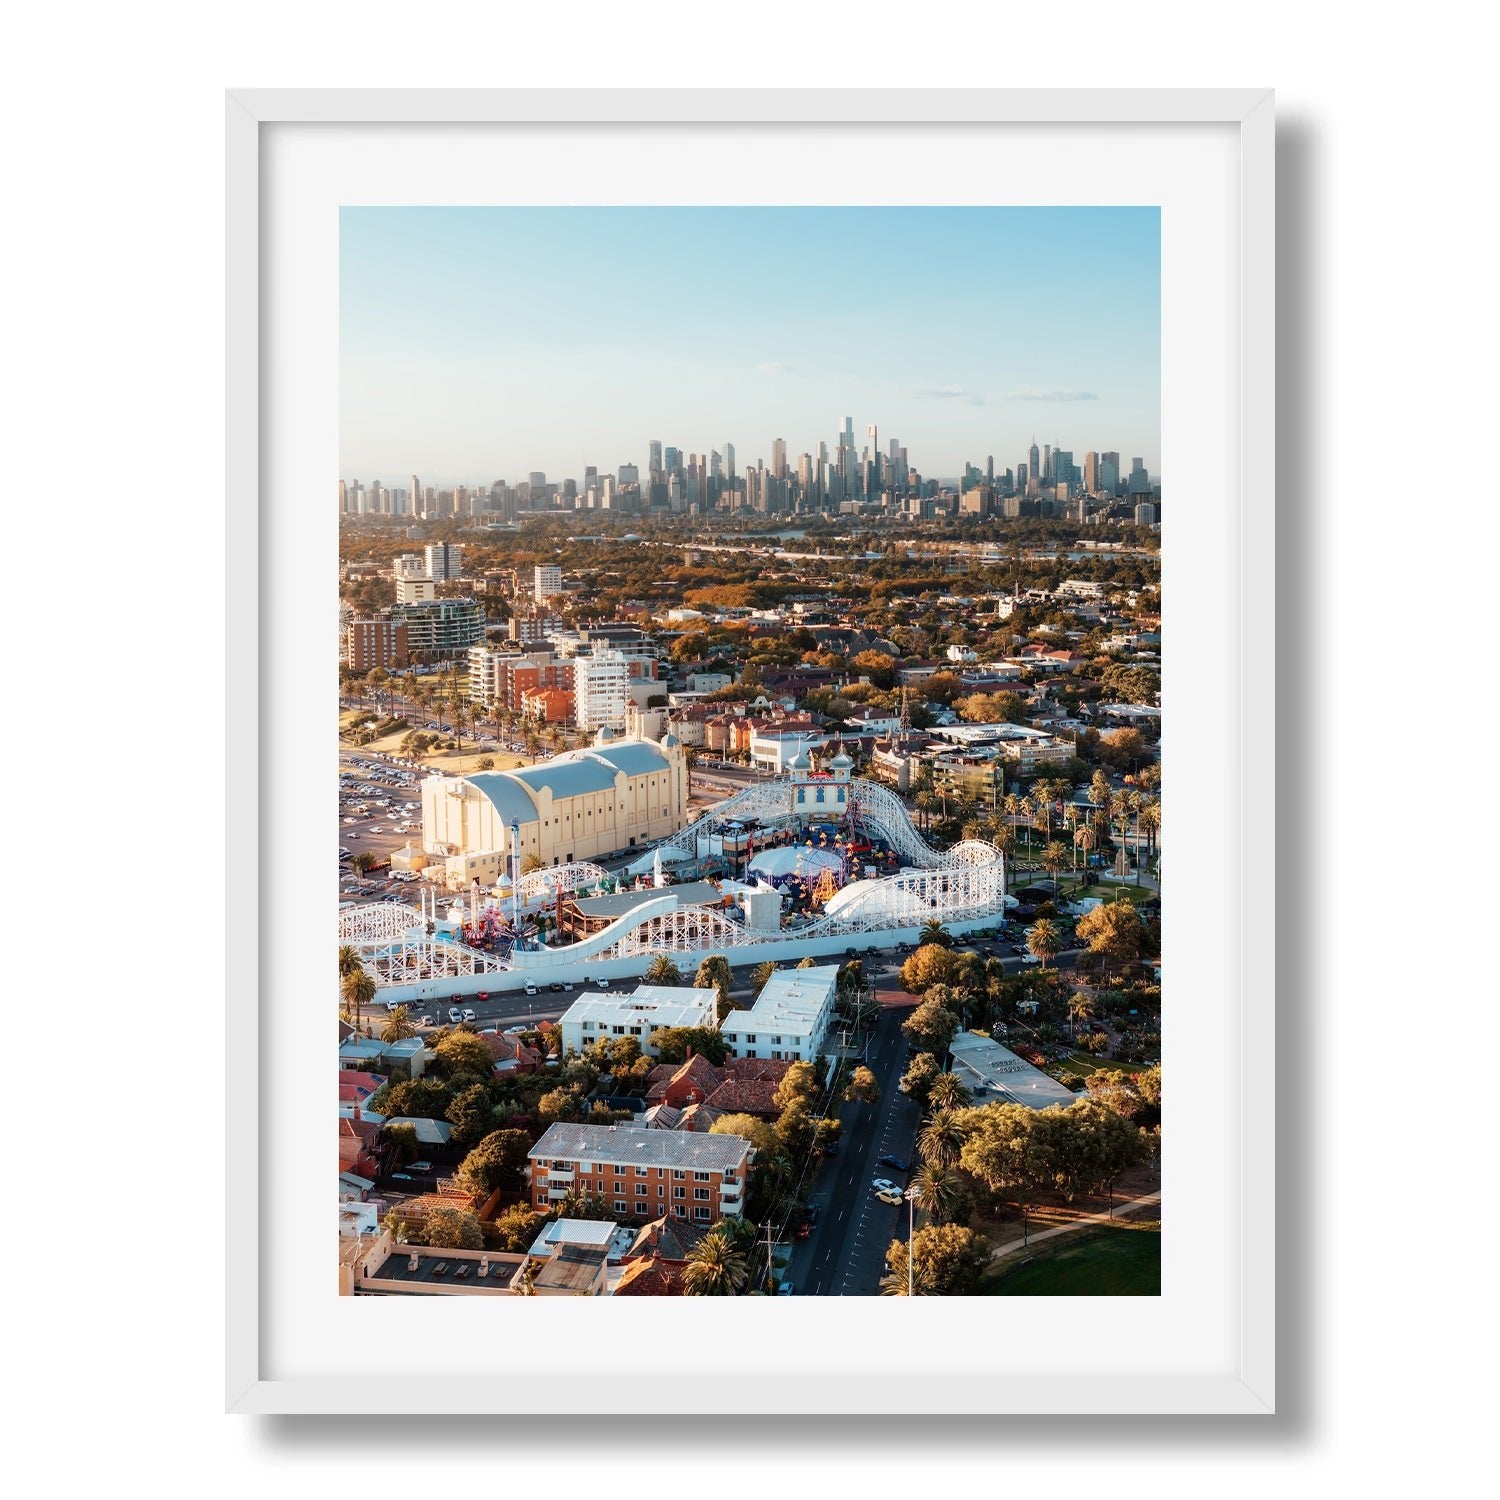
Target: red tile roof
649, 1278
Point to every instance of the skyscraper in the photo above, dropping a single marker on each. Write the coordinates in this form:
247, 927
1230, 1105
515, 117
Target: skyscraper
1091, 472
729, 464
654, 465
1109, 473
778, 457
1034, 461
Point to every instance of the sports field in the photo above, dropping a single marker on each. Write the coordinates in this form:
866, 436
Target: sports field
1116, 1260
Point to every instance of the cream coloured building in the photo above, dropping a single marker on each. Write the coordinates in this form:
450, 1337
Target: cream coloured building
617, 794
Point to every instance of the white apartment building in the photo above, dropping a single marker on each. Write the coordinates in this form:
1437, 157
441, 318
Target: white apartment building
410, 565
598, 1017
444, 561
601, 689
546, 581
790, 1017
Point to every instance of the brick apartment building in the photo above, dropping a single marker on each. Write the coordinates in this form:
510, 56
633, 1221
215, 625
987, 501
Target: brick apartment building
376, 643
642, 1174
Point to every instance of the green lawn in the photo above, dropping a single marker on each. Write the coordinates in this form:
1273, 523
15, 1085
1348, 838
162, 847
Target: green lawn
1082, 1064
1117, 1260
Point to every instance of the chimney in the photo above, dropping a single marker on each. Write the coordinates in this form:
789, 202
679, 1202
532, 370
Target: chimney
357, 1114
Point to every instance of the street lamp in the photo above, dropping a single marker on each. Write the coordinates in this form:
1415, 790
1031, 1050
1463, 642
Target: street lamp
911, 1200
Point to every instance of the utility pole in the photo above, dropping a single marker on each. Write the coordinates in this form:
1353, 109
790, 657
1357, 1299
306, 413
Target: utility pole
770, 1241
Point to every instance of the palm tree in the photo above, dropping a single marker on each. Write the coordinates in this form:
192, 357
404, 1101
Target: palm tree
1054, 857
760, 975
358, 990
941, 1138
947, 1093
399, 1026
663, 971
1150, 820
1028, 810
1080, 1008
1044, 941
925, 803
936, 1190
348, 960
715, 1268
933, 931
1083, 838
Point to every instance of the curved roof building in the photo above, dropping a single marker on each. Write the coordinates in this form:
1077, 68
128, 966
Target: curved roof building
581, 805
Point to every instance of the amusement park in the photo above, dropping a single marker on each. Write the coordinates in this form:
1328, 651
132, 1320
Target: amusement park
814, 862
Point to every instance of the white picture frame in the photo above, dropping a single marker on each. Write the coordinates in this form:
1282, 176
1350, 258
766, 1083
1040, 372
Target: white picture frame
846, 1367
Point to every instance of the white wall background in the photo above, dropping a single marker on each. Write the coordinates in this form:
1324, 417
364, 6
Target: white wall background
113, 255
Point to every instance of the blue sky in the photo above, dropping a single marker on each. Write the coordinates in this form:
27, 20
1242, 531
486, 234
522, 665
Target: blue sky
482, 343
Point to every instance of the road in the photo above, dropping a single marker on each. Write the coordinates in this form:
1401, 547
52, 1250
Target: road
845, 1254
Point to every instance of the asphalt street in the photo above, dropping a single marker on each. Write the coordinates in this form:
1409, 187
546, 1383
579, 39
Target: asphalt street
845, 1254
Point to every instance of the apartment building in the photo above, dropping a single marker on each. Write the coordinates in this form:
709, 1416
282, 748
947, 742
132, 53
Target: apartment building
790, 1018
642, 1174
375, 643
599, 1017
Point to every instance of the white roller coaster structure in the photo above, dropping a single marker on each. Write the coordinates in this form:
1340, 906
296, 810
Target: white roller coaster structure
965, 885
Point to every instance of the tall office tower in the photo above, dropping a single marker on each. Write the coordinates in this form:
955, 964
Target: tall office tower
778, 458
1034, 461
1010, 482
377, 498
538, 482
1046, 463
874, 457
1023, 475
1090, 472
460, 500
1109, 472
629, 474
729, 465
415, 504
805, 480
343, 497
1062, 466
653, 463
429, 500
591, 477
848, 438
989, 471
672, 460
674, 492
1140, 480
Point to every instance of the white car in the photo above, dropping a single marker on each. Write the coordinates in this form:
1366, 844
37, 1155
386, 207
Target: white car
470, 1016
885, 1185
530, 988
892, 1197
454, 1014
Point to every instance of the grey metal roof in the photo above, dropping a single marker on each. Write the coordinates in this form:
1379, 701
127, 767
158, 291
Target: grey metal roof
632, 1145
568, 777
511, 800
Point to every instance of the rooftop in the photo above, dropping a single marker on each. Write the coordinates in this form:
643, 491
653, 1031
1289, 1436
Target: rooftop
790, 1003
668, 1005
692, 893
628, 1144
997, 1075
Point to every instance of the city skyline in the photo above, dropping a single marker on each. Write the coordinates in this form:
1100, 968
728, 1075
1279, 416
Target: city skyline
483, 344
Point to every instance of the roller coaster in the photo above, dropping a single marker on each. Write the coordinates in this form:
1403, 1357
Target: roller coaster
963, 885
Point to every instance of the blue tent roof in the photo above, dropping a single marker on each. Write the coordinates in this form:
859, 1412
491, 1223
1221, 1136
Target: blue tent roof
510, 798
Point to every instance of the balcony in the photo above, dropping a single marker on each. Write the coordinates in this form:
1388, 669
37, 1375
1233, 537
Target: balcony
559, 1174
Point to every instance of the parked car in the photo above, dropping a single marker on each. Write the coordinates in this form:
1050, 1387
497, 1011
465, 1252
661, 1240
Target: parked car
470, 1016
531, 988
556, 987
786, 1289
454, 1015
892, 1197
884, 1185
896, 1162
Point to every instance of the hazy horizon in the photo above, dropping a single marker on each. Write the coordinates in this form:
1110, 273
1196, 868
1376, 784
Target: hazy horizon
486, 343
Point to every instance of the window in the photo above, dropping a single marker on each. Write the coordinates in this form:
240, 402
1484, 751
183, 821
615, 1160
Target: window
703, 1177
678, 1175
620, 1207
619, 1170
679, 1192
702, 1213
777, 1040
640, 1190
681, 1211
585, 1166
641, 1171
701, 1194
749, 1039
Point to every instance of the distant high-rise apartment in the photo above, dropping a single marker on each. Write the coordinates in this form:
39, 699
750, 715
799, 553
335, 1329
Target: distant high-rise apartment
415, 590
444, 561
546, 581
343, 497
601, 689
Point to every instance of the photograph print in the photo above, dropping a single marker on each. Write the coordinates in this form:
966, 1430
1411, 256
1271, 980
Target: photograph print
749, 777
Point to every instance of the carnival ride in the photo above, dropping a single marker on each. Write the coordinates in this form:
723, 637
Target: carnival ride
963, 884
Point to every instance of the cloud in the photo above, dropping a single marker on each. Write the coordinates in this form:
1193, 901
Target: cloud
951, 393
1032, 394
774, 367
